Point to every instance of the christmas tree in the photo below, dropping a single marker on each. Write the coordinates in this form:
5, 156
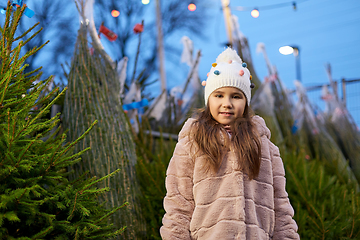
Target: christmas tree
94, 94
37, 201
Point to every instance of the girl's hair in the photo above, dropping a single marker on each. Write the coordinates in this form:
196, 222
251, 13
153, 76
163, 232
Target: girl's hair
211, 138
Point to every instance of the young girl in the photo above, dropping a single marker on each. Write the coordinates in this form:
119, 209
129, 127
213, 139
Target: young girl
226, 179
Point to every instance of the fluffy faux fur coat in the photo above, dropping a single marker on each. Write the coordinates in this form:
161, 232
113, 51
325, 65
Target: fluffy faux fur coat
226, 204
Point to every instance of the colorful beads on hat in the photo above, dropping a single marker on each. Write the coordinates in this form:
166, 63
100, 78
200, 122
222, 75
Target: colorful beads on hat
203, 83
252, 85
230, 61
241, 72
207, 74
244, 64
250, 77
217, 72
214, 64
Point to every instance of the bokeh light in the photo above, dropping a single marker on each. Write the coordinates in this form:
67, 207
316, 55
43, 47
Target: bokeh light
255, 13
115, 13
225, 3
286, 50
145, 2
192, 7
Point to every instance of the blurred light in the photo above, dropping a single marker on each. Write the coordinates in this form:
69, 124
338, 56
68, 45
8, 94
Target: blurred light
255, 13
286, 50
192, 7
225, 3
115, 13
145, 2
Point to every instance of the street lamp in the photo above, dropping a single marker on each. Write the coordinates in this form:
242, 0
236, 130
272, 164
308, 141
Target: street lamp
286, 50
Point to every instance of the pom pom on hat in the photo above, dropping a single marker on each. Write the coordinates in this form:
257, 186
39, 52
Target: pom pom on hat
228, 71
227, 55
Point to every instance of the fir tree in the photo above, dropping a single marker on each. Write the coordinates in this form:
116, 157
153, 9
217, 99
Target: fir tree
94, 94
37, 201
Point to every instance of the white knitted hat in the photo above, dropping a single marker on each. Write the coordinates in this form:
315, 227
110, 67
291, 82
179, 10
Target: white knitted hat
228, 71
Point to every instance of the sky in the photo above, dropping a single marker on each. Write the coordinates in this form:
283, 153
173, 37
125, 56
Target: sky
326, 32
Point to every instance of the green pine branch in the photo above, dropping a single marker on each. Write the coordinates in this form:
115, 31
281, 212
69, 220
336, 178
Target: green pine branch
37, 200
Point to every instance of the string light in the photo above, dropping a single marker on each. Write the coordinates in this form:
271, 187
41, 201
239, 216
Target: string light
115, 13
255, 11
192, 7
145, 2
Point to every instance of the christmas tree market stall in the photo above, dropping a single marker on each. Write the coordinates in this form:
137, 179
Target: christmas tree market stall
96, 170
321, 162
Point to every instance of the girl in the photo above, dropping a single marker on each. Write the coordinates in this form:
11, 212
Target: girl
226, 179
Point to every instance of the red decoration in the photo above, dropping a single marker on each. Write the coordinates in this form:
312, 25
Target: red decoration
180, 102
139, 28
108, 33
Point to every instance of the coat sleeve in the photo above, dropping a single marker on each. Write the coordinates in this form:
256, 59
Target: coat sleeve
179, 200
285, 225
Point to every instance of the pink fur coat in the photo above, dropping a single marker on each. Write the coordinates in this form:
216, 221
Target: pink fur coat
226, 204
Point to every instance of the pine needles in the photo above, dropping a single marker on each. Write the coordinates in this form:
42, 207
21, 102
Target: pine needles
37, 201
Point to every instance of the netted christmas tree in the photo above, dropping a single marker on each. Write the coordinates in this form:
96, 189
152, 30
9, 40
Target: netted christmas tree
36, 199
94, 94
322, 188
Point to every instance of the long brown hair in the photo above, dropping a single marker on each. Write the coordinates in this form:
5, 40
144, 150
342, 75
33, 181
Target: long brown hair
211, 138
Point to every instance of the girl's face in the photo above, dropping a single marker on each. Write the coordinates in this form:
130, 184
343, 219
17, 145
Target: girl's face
226, 104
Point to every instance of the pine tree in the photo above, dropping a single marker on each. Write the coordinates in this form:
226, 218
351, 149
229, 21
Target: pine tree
325, 207
37, 201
